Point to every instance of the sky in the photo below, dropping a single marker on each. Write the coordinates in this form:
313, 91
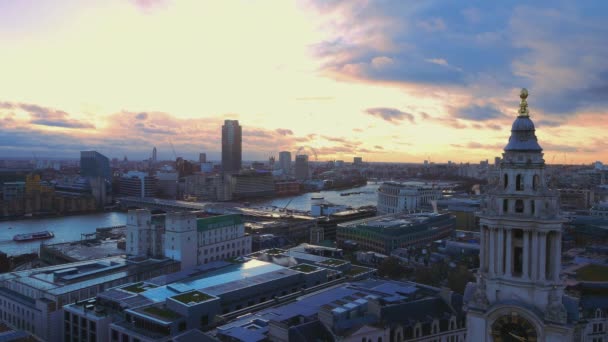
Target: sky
392, 81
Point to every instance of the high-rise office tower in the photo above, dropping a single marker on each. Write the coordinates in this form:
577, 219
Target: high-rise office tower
357, 160
302, 167
94, 164
154, 155
231, 146
202, 157
285, 162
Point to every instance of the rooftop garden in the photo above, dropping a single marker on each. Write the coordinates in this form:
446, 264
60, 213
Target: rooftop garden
304, 268
161, 312
332, 262
356, 270
192, 297
138, 287
592, 272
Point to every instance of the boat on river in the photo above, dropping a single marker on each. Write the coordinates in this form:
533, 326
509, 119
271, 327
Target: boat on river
33, 236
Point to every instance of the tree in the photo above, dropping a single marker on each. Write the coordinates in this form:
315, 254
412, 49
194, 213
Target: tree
458, 279
391, 267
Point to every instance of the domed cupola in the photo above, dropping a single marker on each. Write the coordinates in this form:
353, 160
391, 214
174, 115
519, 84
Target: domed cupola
522, 137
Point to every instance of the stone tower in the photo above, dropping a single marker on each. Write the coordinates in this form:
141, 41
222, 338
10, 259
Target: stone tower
518, 294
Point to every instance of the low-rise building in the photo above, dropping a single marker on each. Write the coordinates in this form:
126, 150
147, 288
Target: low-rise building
369, 310
396, 197
32, 300
384, 233
167, 306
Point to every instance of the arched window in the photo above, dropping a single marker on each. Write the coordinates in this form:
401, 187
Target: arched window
598, 313
533, 206
535, 182
363, 339
380, 339
519, 206
519, 183
506, 181
505, 205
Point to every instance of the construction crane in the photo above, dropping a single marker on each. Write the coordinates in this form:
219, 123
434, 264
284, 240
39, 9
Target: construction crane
173, 148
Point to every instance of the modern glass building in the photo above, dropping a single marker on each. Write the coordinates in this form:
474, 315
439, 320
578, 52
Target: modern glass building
94, 164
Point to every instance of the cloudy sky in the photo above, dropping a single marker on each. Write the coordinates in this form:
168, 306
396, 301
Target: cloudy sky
396, 80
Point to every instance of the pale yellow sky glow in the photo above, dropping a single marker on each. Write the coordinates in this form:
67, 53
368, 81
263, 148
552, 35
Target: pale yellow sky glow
335, 78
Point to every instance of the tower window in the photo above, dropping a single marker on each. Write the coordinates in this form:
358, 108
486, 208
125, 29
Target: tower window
506, 181
505, 205
533, 207
519, 206
519, 183
535, 182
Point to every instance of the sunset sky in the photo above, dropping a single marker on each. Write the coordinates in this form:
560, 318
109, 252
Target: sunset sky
398, 81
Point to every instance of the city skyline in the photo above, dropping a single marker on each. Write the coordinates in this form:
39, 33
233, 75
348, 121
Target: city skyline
391, 82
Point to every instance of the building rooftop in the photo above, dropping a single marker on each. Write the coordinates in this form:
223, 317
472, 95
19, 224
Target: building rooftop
60, 279
394, 221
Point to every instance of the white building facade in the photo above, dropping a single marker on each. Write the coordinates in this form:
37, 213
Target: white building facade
519, 293
184, 237
398, 197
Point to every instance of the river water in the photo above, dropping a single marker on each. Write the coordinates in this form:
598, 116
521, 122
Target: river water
368, 196
70, 228
67, 228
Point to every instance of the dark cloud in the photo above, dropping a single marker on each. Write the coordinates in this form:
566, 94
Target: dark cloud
556, 49
284, 131
391, 115
48, 117
378, 147
141, 116
475, 112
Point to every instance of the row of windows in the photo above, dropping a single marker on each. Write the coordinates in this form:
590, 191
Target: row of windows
519, 182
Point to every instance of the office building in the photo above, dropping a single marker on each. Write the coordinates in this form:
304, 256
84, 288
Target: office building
13, 190
202, 158
370, 310
519, 294
167, 184
154, 160
138, 184
382, 234
250, 184
31, 300
396, 197
168, 306
285, 162
94, 164
231, 146
357, 160
301, 168
184, 237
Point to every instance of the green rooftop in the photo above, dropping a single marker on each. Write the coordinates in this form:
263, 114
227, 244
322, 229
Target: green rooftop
275, 251
592, 272
217, 222
192, 297
304, 268
161, 312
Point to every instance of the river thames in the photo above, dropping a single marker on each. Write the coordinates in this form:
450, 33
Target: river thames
70, 228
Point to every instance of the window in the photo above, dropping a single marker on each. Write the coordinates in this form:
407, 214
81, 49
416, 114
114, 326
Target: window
519, 206
533, 206
505, 205
535, 182
519, 183
506, 181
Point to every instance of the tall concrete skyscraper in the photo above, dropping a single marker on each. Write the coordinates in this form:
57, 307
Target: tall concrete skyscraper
285, 162
202, 157
154, 155
231, 146
302, 167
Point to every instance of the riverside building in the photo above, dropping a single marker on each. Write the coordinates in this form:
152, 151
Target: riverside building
396, 197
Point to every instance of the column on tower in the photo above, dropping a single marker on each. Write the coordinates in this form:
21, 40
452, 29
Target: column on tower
492, 251
526, 258
534, 252
501, 251
557, 255
482, 247
543, 255
509, 252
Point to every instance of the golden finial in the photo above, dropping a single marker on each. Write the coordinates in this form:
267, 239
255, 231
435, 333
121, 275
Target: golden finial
523, 105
